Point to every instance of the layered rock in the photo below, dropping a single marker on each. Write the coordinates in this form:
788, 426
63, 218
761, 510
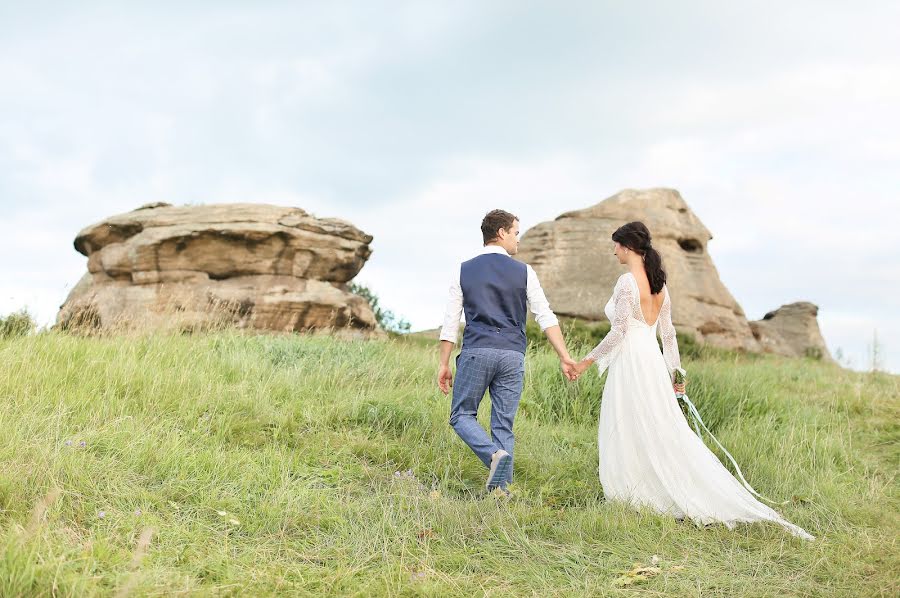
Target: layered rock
792, 330
573, 256
247, 265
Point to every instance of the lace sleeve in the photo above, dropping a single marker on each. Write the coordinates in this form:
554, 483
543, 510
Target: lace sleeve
667, 331
623, 296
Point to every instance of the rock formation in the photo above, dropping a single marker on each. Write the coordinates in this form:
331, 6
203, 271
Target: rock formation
792, 330
247, 265
573, 256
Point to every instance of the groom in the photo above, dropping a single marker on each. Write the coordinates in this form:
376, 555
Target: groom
494, 291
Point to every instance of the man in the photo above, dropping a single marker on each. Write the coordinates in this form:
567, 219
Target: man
494, 291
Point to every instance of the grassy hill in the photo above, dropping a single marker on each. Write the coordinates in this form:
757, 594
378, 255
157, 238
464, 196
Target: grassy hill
255, 465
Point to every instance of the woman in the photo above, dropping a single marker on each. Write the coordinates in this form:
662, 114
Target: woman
648, 454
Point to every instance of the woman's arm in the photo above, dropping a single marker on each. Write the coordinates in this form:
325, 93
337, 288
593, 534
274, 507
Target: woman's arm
602, 354
667, 331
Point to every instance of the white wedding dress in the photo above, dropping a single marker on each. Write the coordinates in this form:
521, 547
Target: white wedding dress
649, 456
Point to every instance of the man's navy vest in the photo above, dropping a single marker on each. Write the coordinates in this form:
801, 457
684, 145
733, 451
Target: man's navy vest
494, 301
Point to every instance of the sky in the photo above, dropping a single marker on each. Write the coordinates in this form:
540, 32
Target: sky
776, 121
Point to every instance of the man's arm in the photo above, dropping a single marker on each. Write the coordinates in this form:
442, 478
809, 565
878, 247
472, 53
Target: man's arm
445, 376
449, 332
566, 363
554, 335
548, 322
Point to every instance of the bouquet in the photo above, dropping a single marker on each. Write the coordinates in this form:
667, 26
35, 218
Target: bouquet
680, 377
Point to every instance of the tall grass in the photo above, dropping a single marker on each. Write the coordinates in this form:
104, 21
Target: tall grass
232, 464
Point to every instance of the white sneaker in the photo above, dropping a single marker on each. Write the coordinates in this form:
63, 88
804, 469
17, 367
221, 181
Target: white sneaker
501, 462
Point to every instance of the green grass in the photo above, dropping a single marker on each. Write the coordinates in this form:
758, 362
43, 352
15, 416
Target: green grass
339, 475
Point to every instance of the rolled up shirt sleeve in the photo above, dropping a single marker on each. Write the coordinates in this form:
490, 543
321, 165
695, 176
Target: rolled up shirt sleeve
453, 313
537, 301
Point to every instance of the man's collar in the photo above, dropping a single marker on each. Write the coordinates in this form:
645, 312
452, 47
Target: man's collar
493, 249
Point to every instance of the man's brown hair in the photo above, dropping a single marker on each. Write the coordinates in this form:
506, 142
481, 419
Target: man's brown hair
494, 221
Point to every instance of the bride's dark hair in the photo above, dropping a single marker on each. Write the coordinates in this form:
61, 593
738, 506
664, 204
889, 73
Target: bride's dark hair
636, 237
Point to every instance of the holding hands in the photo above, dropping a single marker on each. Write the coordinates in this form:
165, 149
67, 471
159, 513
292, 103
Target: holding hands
568, 367
582, 366
572, 369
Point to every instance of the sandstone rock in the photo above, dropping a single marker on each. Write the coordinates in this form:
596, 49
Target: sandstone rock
573, 256
225, 240
792, 330
248, 265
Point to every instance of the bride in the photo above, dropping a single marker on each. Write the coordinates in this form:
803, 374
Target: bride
649, 456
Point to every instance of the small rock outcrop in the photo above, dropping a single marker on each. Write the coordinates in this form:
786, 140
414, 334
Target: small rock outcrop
792, 330
247, 265
573, 256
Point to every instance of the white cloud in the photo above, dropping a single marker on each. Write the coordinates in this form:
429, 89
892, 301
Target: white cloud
412, 122
419, 240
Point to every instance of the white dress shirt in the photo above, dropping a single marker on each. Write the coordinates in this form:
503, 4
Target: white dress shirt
537, 301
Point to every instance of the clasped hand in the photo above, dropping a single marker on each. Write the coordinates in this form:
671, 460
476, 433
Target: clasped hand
573, 369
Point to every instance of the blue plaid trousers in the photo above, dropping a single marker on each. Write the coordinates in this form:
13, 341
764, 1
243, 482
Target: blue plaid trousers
500, 371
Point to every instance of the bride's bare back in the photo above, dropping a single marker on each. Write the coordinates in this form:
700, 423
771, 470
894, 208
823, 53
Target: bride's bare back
650, 304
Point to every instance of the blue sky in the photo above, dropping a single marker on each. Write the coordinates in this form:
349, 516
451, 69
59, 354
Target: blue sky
776, 121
